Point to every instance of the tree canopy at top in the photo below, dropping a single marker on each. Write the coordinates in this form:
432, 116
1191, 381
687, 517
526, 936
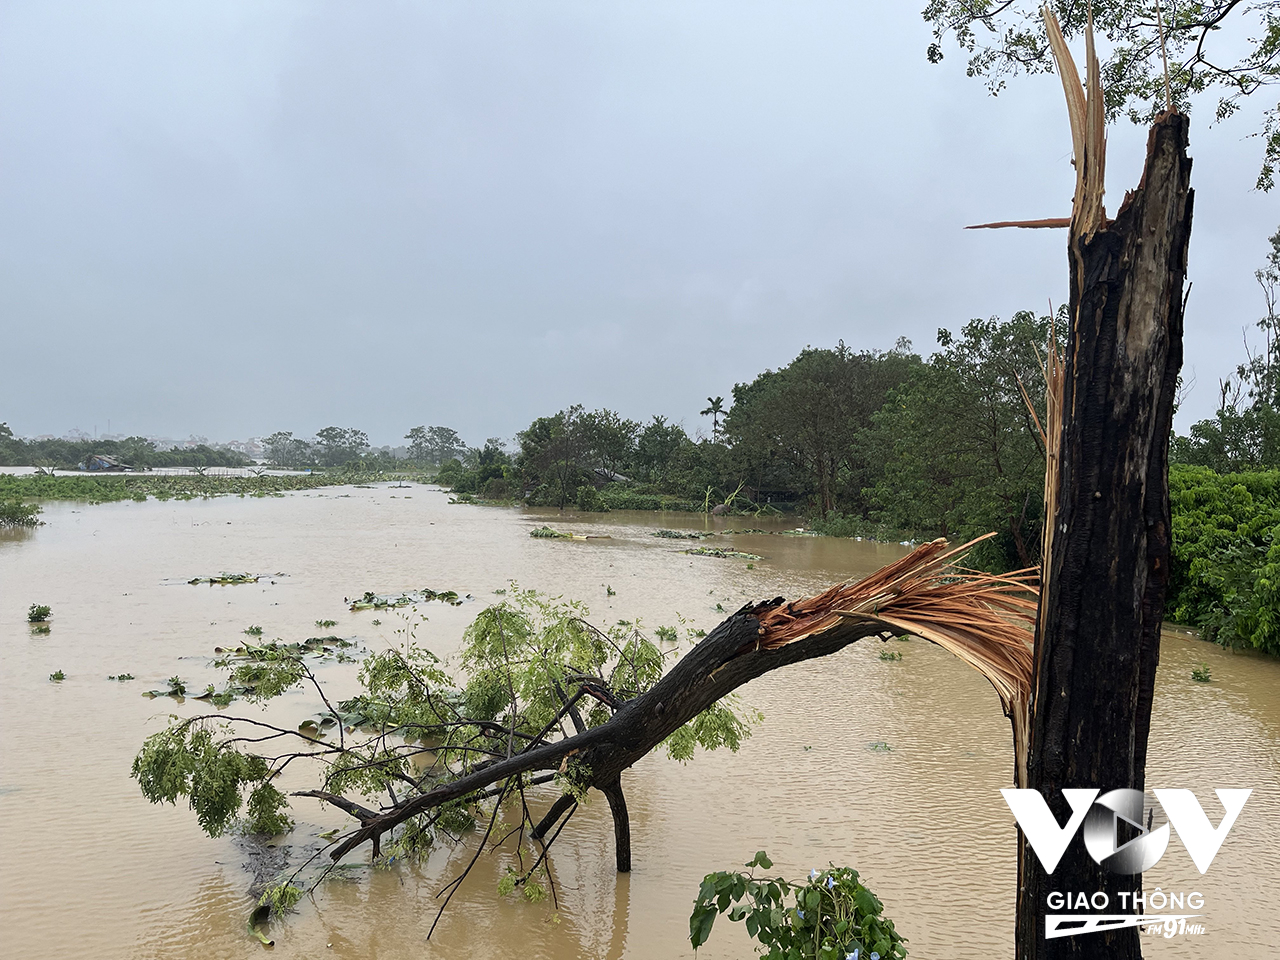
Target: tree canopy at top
1229, 47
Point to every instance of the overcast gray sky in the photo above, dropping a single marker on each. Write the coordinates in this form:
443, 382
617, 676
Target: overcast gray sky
228, 218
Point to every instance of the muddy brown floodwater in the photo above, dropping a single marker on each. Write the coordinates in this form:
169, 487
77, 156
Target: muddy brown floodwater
88, 868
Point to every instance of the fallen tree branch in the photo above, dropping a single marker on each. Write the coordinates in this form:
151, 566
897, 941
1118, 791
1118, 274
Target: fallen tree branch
983, 619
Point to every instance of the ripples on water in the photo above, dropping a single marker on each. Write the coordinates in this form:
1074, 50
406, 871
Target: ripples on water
91, 869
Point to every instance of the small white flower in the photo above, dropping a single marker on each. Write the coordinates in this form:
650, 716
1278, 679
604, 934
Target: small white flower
854, 955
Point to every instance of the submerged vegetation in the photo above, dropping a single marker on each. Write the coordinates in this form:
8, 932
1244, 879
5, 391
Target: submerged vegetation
116, 487
829, 916
373, 601
227, 579
15, 513
531, 671
137, 452
721, 554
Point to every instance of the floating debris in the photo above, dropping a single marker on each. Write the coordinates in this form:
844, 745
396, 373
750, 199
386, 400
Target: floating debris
375, 601
312, 646
228, 578
685, 534
177, 689
546, 533
721, 554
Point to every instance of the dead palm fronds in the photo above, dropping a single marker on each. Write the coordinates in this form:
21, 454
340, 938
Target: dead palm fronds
984, 619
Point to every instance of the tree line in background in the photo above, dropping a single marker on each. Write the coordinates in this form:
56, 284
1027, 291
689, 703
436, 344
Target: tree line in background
137, 452
869, 443
892, 444
858, 442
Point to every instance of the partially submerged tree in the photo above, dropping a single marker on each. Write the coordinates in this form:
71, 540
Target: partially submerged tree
543, 698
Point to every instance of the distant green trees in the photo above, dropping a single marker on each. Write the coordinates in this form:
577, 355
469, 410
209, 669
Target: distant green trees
332, 447
488, 472
285, 450
1244, 434
958, 450
432, 446
798, 429
338, 446
135, 451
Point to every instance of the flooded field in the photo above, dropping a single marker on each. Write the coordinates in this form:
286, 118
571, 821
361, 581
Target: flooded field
91, 869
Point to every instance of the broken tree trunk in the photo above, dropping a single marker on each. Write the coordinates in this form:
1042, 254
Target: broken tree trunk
1098, 640
985, 620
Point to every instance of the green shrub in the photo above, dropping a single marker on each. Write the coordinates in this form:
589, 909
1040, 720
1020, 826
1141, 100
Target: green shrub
588, 499
38, 613
830, 917
1224, 573
15, 513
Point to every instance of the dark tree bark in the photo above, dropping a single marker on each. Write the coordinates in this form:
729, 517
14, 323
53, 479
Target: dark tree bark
1103, 602
621, 825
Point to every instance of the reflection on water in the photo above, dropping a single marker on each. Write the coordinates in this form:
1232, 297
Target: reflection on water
113, 876
10, 535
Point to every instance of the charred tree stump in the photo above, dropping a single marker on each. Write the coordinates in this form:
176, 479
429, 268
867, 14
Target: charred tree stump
1108, 565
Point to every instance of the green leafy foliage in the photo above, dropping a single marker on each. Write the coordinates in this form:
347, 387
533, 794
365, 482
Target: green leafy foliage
1225, 567
1211, 45
57, 676
961, 451
523, 671
487, 474
15, 513
138, 452
281, 897
1201, 674
799, 427
831, 916
38, 613
186, 760
717, 726
111, 489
